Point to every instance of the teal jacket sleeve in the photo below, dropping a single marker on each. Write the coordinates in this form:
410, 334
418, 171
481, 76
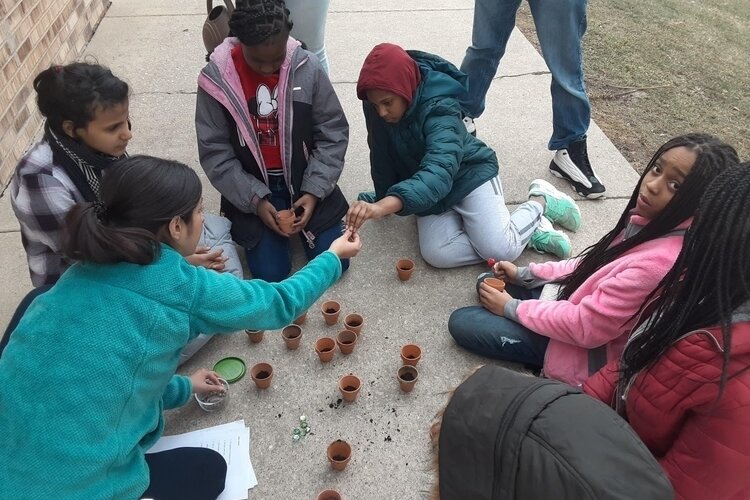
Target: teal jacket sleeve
223, 303
177, 392
443, 155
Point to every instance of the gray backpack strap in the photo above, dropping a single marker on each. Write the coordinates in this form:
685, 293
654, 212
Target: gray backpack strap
597, 359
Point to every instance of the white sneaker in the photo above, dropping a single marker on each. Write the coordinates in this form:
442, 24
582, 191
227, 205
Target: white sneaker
469, 124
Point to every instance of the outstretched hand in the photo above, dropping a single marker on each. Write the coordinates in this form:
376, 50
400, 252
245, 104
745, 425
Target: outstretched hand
360, 212
347, 245
205, 380
210, 259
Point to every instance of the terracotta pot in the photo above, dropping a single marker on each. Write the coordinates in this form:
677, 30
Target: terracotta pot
255, 336
407, 377
331, 310
411, 354
301, 320
326, 348
495, 283
404, 268
292, 334
285, 220
262, 374
354, 323
350, 385
329, 495
339, 454
347, 340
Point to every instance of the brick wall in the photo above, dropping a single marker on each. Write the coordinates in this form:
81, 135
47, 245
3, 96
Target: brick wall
33, 35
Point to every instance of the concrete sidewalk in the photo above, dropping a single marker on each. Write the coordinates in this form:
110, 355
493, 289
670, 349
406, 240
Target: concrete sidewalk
156, 46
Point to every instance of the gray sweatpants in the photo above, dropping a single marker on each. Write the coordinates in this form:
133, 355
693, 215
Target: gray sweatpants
477, 228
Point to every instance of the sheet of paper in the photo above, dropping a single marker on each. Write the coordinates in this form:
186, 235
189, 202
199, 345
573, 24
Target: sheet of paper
232, 441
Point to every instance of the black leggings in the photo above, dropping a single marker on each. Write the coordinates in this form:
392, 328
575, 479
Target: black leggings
185, 474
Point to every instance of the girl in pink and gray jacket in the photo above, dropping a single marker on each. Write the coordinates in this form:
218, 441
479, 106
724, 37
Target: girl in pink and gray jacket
600, 291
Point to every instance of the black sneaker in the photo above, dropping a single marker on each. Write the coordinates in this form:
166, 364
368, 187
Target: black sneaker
572, 164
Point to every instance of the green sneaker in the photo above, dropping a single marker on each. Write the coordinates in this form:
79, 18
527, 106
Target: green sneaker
561, 209
547, 239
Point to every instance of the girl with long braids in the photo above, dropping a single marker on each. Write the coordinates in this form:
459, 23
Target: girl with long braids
572, 337
683, 381
87, 128
272, 136
91, 365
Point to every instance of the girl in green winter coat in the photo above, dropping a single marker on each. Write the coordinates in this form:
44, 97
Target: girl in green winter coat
424, 162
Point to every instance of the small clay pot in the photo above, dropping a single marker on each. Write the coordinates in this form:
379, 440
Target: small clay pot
495, 283
326, 348
350, 385
301, 320
407, 377
404, 268
347, 340
354, 323
331, 310
411, 354
339, 454
262, 374
292, 334
329, 495
255, 336
285, 220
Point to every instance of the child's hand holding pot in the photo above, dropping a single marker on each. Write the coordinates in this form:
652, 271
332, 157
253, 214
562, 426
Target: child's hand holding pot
492, 299
506, 271
205, 380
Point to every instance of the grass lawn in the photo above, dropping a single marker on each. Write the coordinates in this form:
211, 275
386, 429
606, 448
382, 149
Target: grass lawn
659, 69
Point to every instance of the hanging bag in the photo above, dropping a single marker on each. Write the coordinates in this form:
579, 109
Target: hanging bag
216, 26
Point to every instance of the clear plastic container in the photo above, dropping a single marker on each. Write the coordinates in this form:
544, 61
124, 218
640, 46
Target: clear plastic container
212, 401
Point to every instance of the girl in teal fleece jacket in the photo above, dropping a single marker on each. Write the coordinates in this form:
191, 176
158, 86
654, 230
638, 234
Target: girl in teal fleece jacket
91, 365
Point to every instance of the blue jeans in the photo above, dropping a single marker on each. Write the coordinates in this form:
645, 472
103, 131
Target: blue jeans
271, 259
478, 330
560, 26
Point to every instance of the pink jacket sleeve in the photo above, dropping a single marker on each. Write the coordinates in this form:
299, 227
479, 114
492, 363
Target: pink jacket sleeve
599, 317
554, 270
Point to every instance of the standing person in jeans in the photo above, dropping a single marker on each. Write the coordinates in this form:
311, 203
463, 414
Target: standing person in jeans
272, 136
309, 18
560, 26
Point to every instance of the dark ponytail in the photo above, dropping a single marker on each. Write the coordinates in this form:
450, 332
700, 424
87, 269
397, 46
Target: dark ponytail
75, 91
140, 195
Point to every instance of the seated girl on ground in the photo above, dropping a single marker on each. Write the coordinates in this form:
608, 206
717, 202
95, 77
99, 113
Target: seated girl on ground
423, 162
683, 381
87, 128
271, 136
92, 362
587, 326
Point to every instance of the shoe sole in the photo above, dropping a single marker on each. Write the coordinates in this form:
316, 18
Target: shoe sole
590, 196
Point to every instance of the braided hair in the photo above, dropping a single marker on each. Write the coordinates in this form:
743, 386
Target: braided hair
709, 280
256, 21
712, 157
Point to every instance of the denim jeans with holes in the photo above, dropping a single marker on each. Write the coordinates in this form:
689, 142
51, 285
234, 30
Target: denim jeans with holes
478, 330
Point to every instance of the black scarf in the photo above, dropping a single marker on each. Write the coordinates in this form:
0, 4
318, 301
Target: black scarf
83, 165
